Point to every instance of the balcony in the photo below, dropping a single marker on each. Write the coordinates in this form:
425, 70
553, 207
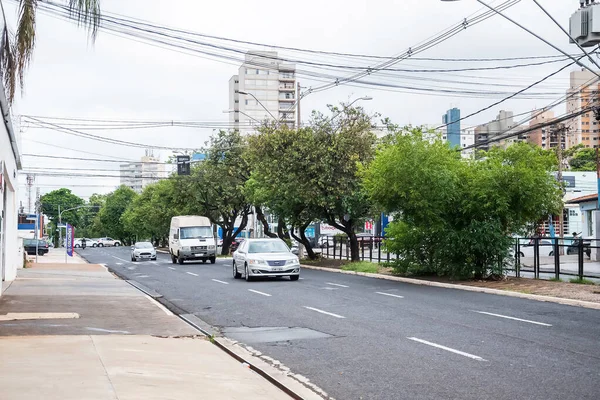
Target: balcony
287, 87
287, 77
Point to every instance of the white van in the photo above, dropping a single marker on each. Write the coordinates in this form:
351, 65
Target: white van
191, 237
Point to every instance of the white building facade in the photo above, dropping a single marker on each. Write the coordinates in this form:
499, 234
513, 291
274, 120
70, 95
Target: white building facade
467, 139
271, 92
138, 175
11, 248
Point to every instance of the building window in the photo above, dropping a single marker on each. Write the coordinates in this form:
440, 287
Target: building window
237, 101
237, 81
257, 72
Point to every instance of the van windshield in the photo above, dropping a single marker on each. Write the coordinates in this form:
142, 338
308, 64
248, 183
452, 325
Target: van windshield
195, 232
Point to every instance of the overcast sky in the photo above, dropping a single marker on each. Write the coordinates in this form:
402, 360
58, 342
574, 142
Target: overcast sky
116, 78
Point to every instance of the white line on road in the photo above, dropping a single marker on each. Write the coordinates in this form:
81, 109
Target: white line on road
257, 292
120, 259
119, 263
439, 346
336, 284
191, 273
513, 318
224, 283
159, 305
144, 276
391, 295
324, 312
172, 268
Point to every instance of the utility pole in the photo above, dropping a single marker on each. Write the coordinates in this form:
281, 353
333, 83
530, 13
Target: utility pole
299, 116
560, 129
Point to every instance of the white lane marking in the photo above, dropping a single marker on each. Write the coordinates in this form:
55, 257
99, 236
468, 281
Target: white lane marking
119, 263
323, 312
513, 318
439, 346
391, 295
105, 330
120, 259
301, 279
335, 284
159, 305
256, 291
191, 273
172, 268
144, 276
216, 280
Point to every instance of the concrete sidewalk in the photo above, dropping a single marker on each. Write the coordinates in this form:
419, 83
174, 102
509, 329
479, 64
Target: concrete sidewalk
74, 331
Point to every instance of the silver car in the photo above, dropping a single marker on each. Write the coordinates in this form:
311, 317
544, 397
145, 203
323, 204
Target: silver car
143, 251
266, 258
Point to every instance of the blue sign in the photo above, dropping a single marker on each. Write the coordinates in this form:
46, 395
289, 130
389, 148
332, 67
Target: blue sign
309, 232
70, 240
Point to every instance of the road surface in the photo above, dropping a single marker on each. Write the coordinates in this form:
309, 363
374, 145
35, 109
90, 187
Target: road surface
364, 338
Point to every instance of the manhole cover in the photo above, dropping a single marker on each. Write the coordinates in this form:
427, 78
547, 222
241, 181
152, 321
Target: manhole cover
272, 334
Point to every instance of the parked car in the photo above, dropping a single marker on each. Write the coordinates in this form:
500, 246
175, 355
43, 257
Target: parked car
30, 246
325, 241
143, 251
546, 248
108, 242
88, 243
265, 258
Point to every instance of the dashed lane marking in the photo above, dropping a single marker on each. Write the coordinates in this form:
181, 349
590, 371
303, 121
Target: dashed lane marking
324, 312
451, 350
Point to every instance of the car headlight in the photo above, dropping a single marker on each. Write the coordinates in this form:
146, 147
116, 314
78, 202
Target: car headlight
292, 262
211, 247
257, 262
185, 248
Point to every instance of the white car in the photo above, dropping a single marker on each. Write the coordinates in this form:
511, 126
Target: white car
265, 258
88, 243
143, 251
109, 242
546, 249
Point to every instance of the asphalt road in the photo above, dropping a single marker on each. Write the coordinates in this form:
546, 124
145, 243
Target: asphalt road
365, 338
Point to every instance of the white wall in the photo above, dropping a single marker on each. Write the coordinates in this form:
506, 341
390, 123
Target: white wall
10, 245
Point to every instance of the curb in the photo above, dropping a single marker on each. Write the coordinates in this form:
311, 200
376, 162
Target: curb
537, 297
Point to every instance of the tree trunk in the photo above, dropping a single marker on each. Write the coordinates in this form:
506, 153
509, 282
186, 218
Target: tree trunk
348, 228
282, 232
227, 239
309, 250
266, 228
229, 231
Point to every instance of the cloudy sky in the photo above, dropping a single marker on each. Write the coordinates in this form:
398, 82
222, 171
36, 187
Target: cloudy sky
117, 78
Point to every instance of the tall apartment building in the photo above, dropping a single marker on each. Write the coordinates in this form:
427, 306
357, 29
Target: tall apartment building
452, 120
138, 175
467, 139
547, 137
583, 92
273, 84
503, 125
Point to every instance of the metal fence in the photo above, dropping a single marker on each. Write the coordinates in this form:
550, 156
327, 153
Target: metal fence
537, 257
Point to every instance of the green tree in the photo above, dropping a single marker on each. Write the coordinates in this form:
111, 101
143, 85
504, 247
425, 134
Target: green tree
61, 199
89, 225
149, 215
109, 217
583, 159
453, 216
17, 51
216, 187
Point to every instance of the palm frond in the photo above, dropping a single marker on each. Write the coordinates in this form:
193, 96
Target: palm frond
87, 13
25, 36
7, 59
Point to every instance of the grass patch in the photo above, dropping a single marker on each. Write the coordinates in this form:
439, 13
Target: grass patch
582, 281
362, 266
555, 280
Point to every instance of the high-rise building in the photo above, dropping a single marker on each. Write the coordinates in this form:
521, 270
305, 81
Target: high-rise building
138, 175
546, 137
498, 130
271, 90
452, 120
467, 139
584, 91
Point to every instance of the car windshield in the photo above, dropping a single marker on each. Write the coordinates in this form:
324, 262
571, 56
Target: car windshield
195, 232
144, 245
268, 246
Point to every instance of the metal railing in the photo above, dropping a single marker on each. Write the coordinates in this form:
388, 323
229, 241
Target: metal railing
536, 257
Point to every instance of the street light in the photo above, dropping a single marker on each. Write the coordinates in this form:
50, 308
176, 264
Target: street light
364, 98
536, 35
241, 112
259, 102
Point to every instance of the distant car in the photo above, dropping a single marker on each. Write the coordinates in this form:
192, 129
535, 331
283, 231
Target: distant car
235, 244
265, 258
325, 241
30, 246
88, 243
108, 242
546, 249
143, 251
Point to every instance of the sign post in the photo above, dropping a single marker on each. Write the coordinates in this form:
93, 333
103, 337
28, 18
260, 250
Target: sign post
69, 241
